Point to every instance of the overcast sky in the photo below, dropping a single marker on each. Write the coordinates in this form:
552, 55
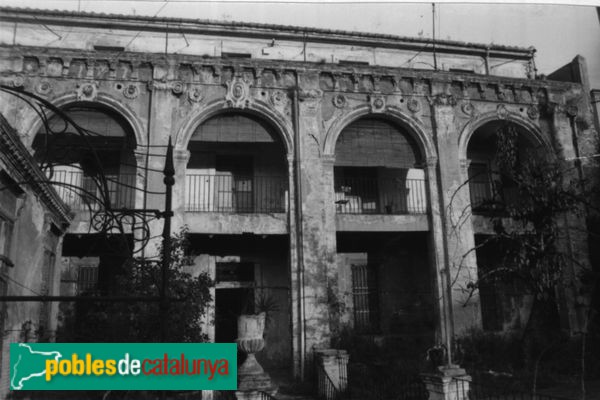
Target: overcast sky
558, 32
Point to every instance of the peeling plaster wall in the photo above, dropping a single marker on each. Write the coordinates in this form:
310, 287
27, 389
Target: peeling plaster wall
32, 243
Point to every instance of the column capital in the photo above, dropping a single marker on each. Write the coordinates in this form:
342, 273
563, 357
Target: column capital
431, 161
465, 163
181, 155
328, 159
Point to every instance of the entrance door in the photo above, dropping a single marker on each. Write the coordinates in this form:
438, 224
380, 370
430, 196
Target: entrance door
236, 188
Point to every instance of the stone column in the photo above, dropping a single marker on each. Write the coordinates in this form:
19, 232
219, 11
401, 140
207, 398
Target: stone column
459, 264
448, 383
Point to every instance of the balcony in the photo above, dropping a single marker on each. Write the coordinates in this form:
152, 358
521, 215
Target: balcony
121, 190
490, 197
229, 193
373, 195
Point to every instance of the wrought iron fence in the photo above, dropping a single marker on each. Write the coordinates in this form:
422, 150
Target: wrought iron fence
326, 390
485, 196
465, 389
266, 396
229, 193
121, 189
380, 196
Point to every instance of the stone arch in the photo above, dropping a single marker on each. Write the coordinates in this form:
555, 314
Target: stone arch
187, 129
472, 126
104, 100
412, 126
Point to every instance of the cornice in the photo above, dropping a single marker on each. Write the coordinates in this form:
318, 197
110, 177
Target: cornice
15, 153
161, 60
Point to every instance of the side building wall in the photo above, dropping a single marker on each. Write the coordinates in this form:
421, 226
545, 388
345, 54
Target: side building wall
32, 222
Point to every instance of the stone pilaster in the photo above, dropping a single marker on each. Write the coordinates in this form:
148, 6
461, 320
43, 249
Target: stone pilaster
180, 159
575, 296
437, 253
448, 383
458, 265
317, 219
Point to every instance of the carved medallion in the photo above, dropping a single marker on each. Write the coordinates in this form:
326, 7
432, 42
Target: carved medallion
502, 111
278, 98
377, 103
18, 81
339, 100
413, 104
131, 91
44, 88
195, 94
87, 91
177, 87
238, 93
533, 112
468, 108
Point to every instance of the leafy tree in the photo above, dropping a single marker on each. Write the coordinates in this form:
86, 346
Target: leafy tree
534, 202
140, 321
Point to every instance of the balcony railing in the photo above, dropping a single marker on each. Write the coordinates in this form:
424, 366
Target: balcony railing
229, 193
121, 190
486, 197
380, 196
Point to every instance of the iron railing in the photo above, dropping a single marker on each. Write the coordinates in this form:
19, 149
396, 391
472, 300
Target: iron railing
229, 193
121, 189
326, 390
266, 396
466, 389
224, 395
380, 196
401, 388
485, 196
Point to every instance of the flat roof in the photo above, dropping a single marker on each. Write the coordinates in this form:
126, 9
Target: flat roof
254, 30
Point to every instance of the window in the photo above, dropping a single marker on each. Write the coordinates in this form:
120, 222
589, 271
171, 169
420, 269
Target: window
46, 289
235, 272
366, 298
87, 278
6, 233
480, 184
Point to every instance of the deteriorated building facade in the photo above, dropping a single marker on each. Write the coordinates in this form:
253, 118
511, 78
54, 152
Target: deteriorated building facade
322, 169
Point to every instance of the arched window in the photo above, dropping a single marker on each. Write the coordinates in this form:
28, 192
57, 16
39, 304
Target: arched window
237, 164
377, 170
100, 143
490, 149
